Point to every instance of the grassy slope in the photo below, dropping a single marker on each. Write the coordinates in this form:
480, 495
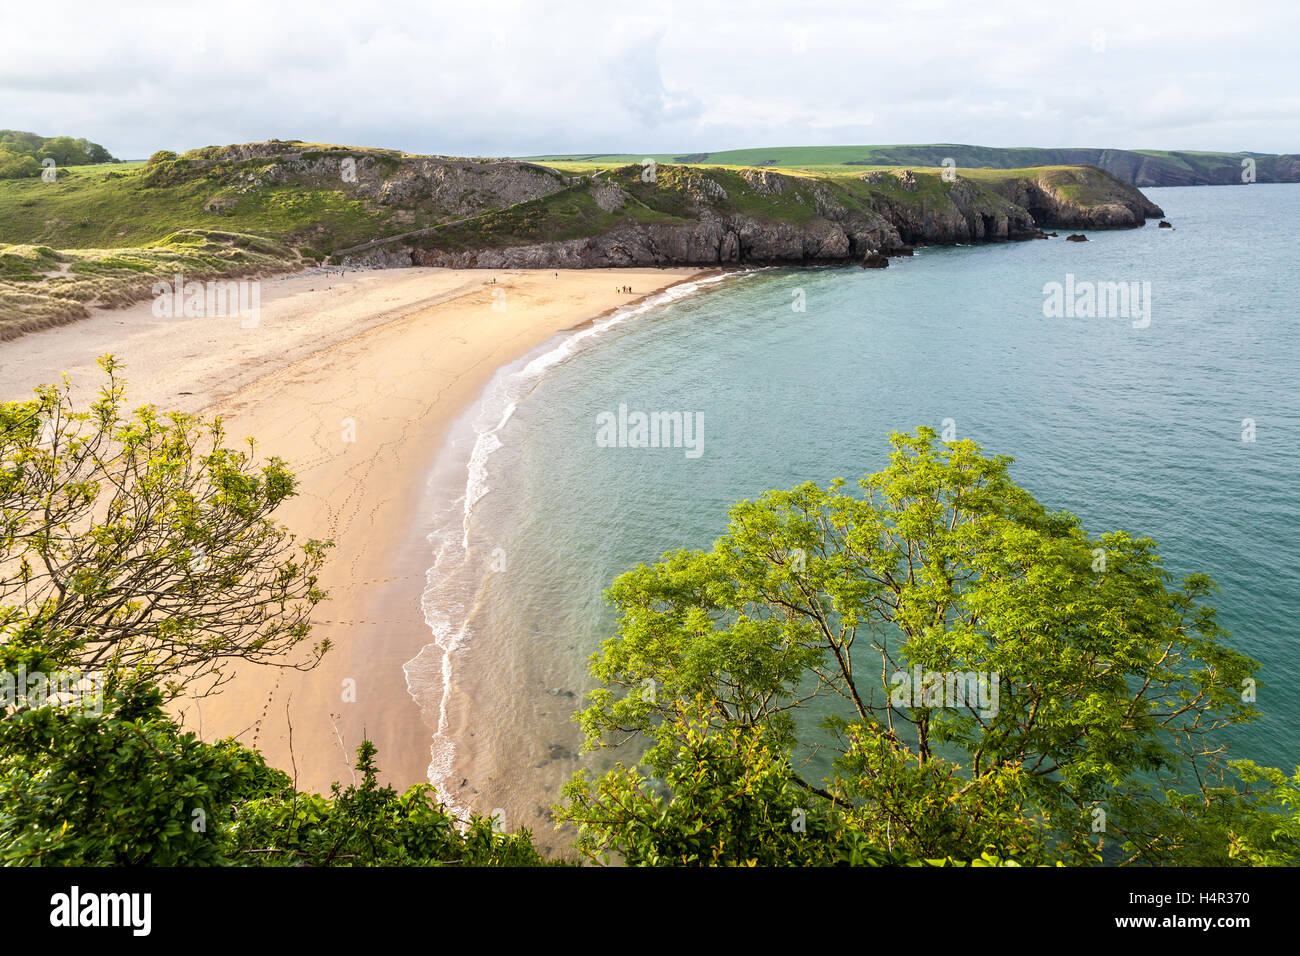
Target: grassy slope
101, 235
110, 207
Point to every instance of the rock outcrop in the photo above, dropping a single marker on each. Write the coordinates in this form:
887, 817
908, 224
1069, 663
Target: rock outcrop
1069, 199
445, 186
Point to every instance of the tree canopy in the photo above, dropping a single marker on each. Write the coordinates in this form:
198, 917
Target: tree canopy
146, 543
113, 780
21, 153
974, 672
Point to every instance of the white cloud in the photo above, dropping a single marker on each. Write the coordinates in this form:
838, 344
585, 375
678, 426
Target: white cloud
514, 77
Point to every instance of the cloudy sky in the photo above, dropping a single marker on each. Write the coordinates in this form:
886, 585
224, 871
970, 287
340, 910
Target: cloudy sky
516, 78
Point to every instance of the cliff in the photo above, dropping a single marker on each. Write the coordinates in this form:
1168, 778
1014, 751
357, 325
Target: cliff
711, 216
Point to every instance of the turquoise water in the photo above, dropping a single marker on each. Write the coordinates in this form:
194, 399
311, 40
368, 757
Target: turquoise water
1133, 428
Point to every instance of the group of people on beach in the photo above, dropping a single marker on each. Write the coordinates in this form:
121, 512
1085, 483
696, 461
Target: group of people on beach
625, 288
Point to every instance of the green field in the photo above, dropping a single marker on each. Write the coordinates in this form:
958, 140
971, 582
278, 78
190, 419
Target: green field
1140, 167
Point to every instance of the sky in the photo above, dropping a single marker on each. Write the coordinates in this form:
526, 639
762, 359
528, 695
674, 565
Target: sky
538, 77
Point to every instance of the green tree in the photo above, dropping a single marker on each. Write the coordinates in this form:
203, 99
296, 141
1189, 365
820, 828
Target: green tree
20, 142
110, 779
65, 151
15, 165
368, 825
1111, 680
147, 543
94, 152
113, 780
731, 801
138, 550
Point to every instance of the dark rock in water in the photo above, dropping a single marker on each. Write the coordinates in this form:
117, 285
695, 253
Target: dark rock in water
902, 251
874, 260
560, 752
1166, 225
1049, 235
1077, 237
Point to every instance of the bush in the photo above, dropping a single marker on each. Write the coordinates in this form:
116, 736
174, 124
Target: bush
17, 166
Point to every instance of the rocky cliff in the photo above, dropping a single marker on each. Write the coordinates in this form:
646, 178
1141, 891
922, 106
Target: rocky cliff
710, 216
383, 207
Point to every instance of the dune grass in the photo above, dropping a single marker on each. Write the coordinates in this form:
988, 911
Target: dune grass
41, 287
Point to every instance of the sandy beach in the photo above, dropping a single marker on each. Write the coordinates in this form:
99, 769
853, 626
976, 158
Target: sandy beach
354, 379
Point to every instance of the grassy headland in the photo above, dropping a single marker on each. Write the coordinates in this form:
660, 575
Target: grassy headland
101, 235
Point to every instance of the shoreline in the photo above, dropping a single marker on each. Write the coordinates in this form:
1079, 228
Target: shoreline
457, 569
357, 385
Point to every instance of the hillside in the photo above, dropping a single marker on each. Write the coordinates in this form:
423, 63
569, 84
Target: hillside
1136, 167
102, 235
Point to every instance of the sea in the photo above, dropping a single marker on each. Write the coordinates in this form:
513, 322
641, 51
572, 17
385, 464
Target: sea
1168, 409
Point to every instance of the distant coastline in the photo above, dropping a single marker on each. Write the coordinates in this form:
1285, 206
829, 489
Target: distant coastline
1138, 167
